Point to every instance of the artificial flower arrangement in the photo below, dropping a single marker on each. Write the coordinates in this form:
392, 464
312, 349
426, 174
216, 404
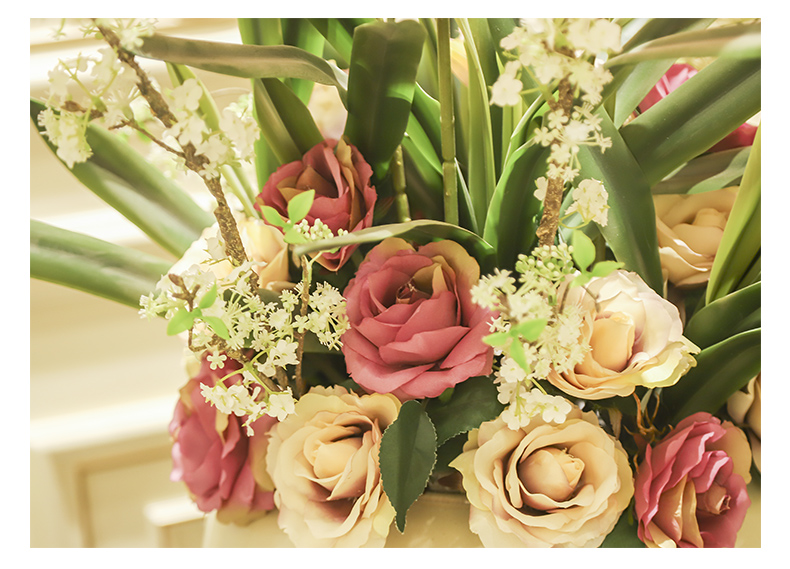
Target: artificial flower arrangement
527, 271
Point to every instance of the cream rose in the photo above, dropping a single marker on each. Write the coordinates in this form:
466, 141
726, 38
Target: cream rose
745, 408
323, 460
689, 229
263, 244
546, 484
635, 338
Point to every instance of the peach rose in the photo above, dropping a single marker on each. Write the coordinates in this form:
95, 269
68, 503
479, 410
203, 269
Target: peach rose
344, 197
745, 408
323, 460
546, 484
221, 466
263, 244
635, 338
690, 227
414, 330
691, 486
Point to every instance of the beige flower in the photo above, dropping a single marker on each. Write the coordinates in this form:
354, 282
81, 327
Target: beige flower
263, 244
689, 229
745, 408
635, 338
323, 460
545, 485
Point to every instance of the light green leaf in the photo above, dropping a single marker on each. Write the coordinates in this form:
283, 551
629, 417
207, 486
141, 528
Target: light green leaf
530, 330
181, 321
583, 251
498, 339
217, 326
603, 268
91, 265
271, 216
208, 298
407, 455
300, 205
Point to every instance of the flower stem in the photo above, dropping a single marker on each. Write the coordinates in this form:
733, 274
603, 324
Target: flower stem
307, 275
447, 122
399, 185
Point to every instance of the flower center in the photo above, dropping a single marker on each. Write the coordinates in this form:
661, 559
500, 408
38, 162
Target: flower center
408, 293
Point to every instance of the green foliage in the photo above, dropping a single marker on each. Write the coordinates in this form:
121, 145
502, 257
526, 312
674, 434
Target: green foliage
724, 316
470, 403
406, 457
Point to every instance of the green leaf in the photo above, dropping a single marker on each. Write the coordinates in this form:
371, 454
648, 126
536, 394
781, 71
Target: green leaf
285, 121
181, 321
406, 457
603, 268
694, 117
300, 205
631, 228
498, 339
381, 79
706, 173
721, 370
91, 265
208, 298
238, 60
583, 251
217, 326
120, 176
738, 41
530, 330
271, 216
741, 242
719, 319
473, 402
624, 533
421, 230
339, 33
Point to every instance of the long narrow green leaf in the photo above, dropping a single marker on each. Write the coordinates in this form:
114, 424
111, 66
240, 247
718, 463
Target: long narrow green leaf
511, 220
707, 172
721, 370
694, 117
407, 455
339, 34
137, 190
239, 60
420, 230
301, 33
739, 41
92, 265
717, 320
631, 228
381, 80
741, 241
490, 68
481, 166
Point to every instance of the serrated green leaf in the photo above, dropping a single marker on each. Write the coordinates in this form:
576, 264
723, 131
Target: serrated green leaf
407, 455
531, 329
217, 326
91, 265
181, 321
473, 402
300, 205
583, 251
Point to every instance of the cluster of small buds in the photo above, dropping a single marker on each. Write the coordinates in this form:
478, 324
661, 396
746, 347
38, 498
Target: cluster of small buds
317, 230
247, 399
533, 297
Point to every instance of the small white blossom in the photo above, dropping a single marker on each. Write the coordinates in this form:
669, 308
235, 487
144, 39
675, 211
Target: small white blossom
280, 405
590, 199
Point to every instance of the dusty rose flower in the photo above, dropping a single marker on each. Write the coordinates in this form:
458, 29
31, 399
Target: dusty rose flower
678, 74
635, 338
263, 244
344, 198
745, 408
691, 486
220, 464
323, 460
546, 484
690, 227
414, 328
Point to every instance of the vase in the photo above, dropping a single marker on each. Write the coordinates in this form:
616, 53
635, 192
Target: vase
435, 520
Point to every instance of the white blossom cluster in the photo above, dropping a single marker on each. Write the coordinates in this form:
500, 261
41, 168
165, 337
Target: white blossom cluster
533, 297
526, 404
245, 322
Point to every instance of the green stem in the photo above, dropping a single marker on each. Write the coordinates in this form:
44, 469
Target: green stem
307, 275
235, 186
447, 122
399, 185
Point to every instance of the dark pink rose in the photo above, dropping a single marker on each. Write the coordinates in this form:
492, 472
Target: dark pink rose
690, 490
414, 328
223, 468
678, 74
344, 198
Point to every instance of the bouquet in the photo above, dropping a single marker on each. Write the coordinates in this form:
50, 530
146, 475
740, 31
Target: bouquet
513, 260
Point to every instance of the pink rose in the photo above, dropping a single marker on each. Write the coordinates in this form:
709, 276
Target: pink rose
690, 490
344, 198
678, 74
222, 467
414, 330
